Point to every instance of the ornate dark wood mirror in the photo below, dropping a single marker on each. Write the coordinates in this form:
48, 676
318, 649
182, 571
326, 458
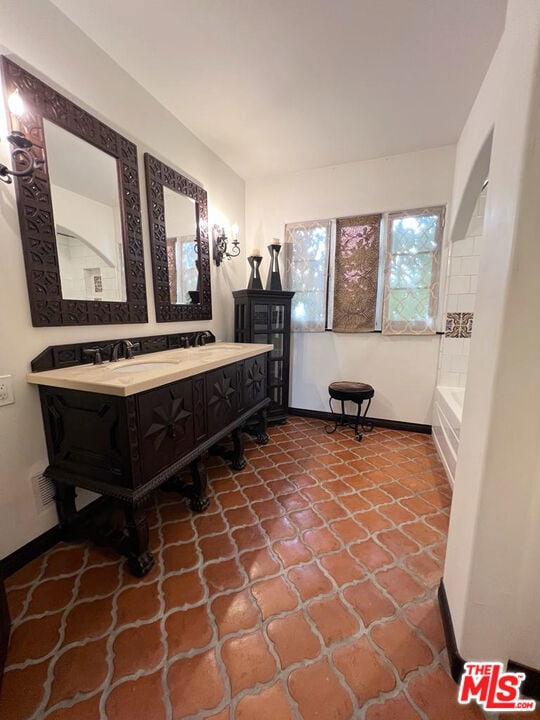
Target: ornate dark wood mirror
178, 212
79, 213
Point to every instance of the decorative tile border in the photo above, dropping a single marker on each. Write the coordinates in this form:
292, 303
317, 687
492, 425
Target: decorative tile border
459, 324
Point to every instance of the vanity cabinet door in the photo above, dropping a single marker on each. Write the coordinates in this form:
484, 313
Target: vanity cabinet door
223, 397
88, 436
166, 426
254, 380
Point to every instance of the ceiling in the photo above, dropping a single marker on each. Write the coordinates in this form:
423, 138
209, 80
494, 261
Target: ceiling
276, 86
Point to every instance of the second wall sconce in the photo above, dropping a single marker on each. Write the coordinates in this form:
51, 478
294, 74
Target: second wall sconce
221, 249
21, 156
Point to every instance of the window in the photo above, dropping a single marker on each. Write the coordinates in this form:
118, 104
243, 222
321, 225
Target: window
182, 254
411, 286
306, 272
343, 282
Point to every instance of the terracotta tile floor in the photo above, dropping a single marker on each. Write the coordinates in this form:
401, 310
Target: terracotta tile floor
306, 591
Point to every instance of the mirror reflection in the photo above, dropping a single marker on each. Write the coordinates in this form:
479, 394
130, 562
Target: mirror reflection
182, 247
86, 207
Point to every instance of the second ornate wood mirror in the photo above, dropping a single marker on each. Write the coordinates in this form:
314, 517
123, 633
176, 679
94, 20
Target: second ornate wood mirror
178, 212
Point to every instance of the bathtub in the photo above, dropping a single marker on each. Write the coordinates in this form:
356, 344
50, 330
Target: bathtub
447, 413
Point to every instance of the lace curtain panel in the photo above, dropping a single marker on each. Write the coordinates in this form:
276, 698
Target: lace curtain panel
412, 269
305, 260
356, 274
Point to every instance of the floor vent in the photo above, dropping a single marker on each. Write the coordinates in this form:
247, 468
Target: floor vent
43, 491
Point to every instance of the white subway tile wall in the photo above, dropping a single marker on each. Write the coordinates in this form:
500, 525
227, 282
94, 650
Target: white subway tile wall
463, 265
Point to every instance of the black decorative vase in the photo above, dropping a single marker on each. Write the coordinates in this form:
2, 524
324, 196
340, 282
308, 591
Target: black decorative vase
255, 282
274, 280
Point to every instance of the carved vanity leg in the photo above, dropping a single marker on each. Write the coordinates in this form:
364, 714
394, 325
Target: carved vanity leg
65, 505
261, 436
238, 459
140, 559
199, 498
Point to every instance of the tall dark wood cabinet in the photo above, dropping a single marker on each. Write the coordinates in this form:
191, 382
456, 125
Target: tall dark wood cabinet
264, 316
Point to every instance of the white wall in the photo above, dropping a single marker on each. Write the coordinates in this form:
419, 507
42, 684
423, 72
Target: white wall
462, 283
99, 224
491, 570
402, 370
38, 36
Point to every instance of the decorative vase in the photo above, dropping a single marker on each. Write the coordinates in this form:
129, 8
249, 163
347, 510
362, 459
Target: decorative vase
274, 280
255, 282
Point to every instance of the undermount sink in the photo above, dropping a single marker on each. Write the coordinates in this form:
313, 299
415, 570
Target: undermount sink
217, 348
143, 367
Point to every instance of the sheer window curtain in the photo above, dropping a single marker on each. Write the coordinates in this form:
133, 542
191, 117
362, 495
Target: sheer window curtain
305, 257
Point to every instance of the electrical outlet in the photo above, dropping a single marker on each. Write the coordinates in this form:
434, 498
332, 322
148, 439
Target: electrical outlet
6, 390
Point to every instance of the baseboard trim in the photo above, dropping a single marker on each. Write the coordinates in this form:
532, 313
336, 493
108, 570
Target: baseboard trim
40, 544
378, 422
33, 549
457, 663
530, 687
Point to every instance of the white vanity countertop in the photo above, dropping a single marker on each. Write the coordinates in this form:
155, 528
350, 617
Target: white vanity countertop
148, 371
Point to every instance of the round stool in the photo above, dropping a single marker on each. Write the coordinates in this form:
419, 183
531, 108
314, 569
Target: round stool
354, 392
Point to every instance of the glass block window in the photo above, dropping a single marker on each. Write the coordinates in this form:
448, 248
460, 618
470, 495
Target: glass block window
412, 268
305, 255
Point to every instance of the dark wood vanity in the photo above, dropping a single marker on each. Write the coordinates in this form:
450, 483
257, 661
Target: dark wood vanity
124, 447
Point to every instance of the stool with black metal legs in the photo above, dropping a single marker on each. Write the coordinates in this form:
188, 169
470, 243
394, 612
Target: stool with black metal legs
354, 392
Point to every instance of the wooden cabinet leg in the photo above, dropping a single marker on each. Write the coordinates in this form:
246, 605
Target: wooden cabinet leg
199, 498
238, 459
64, 498
261, 435
140, 559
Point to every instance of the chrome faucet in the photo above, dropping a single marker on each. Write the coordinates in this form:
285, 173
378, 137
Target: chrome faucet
201, 338
95, 353
128, 346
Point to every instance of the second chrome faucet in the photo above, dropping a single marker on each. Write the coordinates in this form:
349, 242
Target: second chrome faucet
128, 347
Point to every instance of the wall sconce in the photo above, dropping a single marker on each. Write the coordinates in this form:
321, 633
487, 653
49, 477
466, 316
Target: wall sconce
221, 250
20, 152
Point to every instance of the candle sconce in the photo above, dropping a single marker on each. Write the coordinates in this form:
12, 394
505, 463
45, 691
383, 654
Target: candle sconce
273, 281
255, 282
221, 250
24, 162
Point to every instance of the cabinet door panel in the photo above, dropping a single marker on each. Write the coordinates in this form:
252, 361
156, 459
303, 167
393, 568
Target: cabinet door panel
222, 397
278, 317
254, 380
87, 435
166, 426
260, 317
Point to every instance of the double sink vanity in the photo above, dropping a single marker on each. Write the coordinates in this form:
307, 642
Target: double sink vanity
124, 428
